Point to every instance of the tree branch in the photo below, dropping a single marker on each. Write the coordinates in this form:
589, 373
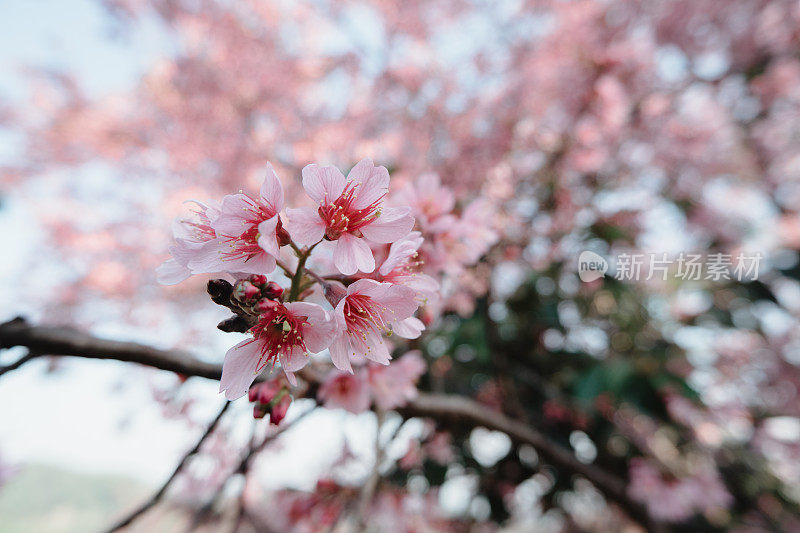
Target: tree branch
447, 409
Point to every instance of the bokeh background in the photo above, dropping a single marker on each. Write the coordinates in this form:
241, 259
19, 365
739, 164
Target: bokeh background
660, 126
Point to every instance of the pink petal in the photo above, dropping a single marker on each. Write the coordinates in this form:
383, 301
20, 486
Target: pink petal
231, 220
267, 239
372, 347
399, 303
393, 224
293, 361
373, 183
400, 251
340, 353
261, 263
271, 189
239, 369
321, 328
425, 286
368, 287
323, 184
353, 254
171, 272
410, 328
206, 258
305, 226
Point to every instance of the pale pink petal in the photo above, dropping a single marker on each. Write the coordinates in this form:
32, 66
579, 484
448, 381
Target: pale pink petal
206, 258
372, 181
410, 328
398, 303
393, 224
305, 226
271, 190
400, 251
293, 361
267, 240
232, 219
239, 369
353, 254
261, 263
422, 283
321, 328
171, 272
323, 184
368, 287
373, 347
340, 353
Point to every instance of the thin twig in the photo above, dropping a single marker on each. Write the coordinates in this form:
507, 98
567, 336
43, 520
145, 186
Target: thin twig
155, 498
18, 363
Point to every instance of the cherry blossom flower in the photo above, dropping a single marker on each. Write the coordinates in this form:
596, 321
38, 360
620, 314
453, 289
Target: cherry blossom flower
349, 210
402, 266
346, 391
192, 235
286, 333
368, 309
394, 385
429, 200
249, 232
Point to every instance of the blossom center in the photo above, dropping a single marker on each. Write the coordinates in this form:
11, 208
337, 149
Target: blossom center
245, 245
341, 216
364, 315
278, 331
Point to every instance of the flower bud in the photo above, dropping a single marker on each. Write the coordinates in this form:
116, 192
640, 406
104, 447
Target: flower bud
245, 291
334, 292
259, 411
279, 410
259, 280
283, 236
272, 290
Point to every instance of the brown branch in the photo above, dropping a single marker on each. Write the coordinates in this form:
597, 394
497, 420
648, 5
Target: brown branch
155, 498
447, 409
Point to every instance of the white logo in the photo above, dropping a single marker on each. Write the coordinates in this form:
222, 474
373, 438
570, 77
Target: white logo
591, 266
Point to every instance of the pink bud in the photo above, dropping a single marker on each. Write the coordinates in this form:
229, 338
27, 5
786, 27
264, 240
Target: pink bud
278, 412
273, 290
244, 291
258, 279
259, 411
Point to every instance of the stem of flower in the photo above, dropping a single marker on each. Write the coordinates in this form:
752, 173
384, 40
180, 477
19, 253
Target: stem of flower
294, 292
302, 256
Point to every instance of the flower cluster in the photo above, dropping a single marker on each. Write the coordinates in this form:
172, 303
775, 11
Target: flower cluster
246, 234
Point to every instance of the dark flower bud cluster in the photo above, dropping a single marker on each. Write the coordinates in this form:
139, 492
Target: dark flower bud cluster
256, 295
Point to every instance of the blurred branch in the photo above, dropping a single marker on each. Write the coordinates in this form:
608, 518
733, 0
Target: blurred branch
18, 363
445, 408
160, 493
243, 468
